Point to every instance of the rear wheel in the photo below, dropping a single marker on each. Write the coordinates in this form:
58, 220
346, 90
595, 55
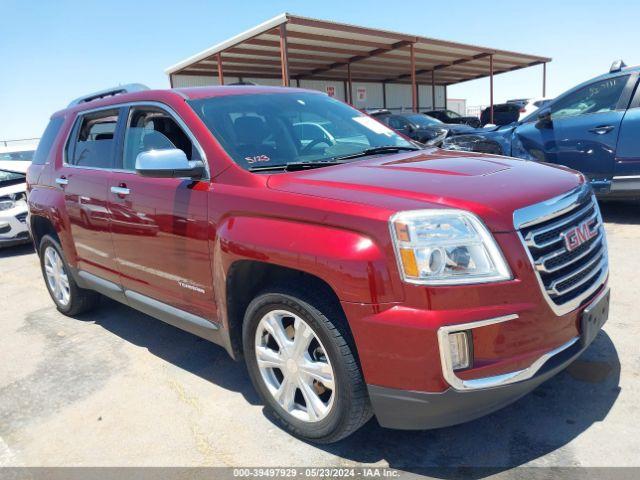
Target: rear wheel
303, 368
69, 298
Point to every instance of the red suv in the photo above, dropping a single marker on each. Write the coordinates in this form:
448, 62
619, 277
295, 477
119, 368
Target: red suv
355, 273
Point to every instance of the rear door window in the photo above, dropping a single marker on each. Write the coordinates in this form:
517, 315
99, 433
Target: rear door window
46, 142
93, 143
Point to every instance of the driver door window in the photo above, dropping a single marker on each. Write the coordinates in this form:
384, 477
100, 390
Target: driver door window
598, 97
151, 128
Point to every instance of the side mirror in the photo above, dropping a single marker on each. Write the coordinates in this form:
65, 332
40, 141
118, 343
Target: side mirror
544, 119
171, 163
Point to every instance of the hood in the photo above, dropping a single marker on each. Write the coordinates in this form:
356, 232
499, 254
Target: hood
16, 166
457, 129
11, 189
490, 186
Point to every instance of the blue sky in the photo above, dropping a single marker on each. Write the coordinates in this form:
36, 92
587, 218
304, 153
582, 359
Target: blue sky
53, 51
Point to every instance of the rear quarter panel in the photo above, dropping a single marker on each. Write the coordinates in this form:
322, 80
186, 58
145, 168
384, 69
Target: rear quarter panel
45, 199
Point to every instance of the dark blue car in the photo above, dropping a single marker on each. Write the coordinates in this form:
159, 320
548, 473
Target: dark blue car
593, 128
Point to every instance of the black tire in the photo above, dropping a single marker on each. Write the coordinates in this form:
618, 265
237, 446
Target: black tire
351, 408
80, 299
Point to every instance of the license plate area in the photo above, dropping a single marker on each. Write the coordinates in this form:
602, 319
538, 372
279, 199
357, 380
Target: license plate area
593, 318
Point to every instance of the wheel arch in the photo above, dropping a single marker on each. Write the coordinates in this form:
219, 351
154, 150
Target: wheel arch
39, 227
248, 278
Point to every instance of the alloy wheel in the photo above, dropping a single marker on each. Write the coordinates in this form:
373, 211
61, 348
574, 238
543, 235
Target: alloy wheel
294, 366
56, 276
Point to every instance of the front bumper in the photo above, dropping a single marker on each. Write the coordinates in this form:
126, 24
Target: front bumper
13, 226
468, 400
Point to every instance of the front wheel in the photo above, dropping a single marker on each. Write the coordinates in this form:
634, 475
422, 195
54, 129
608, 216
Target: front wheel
303, 367
69, 298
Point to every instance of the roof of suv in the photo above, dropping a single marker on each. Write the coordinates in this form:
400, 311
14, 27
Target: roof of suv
190, 93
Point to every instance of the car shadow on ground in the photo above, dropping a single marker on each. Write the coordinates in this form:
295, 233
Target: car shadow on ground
538, 424
182, 349
620, 212
16, 250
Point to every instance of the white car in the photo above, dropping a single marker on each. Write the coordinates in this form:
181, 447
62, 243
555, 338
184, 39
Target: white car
19, 151
529, 105
13, 203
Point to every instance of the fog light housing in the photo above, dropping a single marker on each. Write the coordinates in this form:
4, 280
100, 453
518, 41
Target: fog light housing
459, 350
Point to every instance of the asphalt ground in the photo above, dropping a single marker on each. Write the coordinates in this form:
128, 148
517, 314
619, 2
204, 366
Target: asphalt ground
117, 388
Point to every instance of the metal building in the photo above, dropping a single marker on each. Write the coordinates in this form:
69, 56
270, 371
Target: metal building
364, 66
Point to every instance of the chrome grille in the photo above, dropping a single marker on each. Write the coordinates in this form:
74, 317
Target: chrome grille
567, 277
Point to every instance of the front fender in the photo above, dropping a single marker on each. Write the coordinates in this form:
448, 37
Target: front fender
351, 263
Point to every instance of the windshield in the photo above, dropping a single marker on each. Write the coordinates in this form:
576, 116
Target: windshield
269, 129
10, 178
25, 155
423, 120
452, 114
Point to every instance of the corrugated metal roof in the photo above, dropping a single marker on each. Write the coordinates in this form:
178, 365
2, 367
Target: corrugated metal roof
322, 49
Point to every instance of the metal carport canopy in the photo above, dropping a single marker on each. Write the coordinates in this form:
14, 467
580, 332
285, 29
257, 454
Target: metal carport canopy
293, 47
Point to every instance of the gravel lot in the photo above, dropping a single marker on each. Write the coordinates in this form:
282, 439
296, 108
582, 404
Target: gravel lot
116, 387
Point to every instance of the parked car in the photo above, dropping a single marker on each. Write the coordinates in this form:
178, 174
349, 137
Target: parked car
532, 105
449, 116
355, 274
591, 128
19, 153
420, 127
503, 114
13, 204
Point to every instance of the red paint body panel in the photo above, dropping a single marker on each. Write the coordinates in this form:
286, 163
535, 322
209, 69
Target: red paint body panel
330, 222
490, 186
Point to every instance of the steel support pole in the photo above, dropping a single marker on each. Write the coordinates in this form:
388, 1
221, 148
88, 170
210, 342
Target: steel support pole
220, 72
414, 87
284, 56
491, 88
349, 89
433, 89
544, 79
384, 94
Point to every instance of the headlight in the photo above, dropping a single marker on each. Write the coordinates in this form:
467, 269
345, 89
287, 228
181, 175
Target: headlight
446, 247
6, 204
10, 201
472, 143
441, 135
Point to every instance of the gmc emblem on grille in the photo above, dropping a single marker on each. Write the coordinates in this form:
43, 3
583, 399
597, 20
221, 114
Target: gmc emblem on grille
580, 234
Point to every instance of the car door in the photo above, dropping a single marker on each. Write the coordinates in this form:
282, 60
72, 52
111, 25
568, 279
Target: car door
85, 176
159, 225
626, 173
582, 128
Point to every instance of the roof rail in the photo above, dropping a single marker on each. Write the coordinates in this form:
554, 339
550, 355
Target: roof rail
109, 92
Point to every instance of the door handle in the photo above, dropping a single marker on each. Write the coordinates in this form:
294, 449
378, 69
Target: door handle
61, 182
602, 129
120, 191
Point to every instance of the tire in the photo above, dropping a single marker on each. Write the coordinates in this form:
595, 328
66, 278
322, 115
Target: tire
348, 400
79, 299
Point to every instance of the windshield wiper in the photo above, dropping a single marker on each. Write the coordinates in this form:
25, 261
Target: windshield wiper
295, 166
375, 151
